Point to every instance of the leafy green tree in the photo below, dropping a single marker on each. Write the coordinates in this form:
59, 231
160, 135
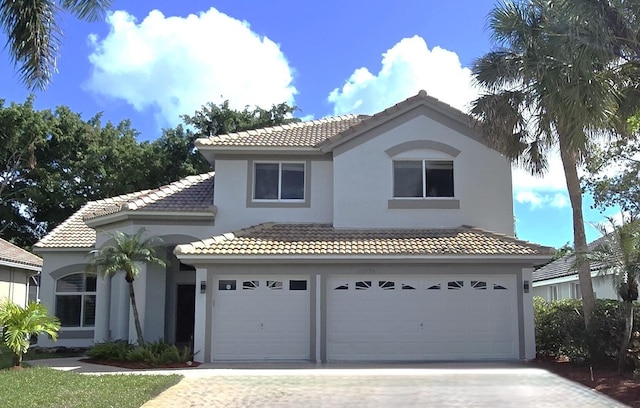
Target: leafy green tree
614, 175
19, 323
554, 81
34, 36
618, 254
126, 254
212, 119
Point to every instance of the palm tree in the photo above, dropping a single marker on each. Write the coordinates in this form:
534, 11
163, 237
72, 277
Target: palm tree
618, 253
33, 34
126, 254
549, 86
19, 323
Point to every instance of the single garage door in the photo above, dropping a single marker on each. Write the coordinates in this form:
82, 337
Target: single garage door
261, 318
437, 317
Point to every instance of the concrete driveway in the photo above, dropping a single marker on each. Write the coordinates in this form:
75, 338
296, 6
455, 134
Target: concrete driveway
383, 385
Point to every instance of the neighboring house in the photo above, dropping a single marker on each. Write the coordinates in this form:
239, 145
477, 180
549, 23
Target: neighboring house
384, 237
559, 280
19, 270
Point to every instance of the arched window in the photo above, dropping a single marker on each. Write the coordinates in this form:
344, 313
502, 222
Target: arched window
76, 300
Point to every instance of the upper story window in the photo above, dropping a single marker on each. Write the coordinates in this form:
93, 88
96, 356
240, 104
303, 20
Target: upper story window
284, 181
422, 178
76, 300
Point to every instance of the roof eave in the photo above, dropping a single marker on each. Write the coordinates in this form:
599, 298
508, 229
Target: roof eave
20, 265
125, 215
211, 258
47, 249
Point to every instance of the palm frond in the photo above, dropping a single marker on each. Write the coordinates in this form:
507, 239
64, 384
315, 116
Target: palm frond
90, 10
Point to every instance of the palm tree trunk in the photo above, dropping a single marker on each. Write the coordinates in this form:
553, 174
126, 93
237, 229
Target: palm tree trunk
569, 163
626, 337
136, 318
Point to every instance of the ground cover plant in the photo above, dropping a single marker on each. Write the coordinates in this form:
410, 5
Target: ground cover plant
43, 387
149, 355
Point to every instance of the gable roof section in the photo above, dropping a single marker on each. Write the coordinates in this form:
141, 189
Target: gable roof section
299, 134
325, 134
278, 240
564, 266
12, 254
460, 121
191, 194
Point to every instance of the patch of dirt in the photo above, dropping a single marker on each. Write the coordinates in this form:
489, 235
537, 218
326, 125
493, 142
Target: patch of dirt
623, 388
138, 365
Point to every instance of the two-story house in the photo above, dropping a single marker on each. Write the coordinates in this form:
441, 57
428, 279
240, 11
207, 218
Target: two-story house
354, 238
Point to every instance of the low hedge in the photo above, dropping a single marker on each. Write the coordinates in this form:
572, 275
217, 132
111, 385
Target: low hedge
152, 354
560, 330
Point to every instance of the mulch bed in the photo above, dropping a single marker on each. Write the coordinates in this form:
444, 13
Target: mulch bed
623, 388
138, 365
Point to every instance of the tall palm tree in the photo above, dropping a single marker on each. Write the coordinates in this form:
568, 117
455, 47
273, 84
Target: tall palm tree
618, 253
549, 86
18, 324
126, 254
33, 33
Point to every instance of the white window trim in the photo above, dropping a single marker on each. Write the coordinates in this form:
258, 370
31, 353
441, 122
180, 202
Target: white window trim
424, 179
82, 294
279, 200
252, 202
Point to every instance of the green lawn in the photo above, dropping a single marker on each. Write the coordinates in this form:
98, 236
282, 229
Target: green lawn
46, 387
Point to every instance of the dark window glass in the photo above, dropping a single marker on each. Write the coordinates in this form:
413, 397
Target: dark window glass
250, 285
407, 179
266, 181
434, 287
274, 285
455, 285
68, 309
439, 178
89, 310
479, 285
292, 181
386, 285
91, 284
71, 283
363, 285
227, 285
342, 287
297, 285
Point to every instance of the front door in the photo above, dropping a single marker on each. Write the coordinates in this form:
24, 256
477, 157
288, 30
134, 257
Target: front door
185, 314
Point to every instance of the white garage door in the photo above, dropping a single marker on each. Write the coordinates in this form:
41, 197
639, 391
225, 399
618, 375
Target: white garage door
261, 318
437, 317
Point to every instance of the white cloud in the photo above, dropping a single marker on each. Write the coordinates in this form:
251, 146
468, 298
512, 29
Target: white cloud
410, 66
173, 65
406, 68
541, 200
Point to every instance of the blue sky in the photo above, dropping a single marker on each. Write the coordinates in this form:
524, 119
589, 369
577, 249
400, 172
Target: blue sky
152, 61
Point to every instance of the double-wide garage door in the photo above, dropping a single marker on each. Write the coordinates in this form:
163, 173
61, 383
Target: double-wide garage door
368, 317
398, 318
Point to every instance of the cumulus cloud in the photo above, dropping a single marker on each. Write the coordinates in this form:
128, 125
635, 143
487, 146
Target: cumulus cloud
406, 68
173, 65
410, 66
539, 200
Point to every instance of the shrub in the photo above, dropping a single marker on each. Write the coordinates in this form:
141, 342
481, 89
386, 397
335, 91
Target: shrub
152, 354
110, 350
560, 328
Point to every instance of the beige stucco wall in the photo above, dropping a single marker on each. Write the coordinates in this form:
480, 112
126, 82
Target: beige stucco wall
363, 181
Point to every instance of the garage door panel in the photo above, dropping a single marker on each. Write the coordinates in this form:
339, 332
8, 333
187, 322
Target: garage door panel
442, 318
260, 318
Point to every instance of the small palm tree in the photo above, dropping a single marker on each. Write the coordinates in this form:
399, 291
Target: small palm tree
33, 34
126, 254
19, 323
618, 253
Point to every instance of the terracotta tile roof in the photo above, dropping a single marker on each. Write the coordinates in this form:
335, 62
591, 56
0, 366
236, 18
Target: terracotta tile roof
300, 134
191, 194
323, 239
15, 254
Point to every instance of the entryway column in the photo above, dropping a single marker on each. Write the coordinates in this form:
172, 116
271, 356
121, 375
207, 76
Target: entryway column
119, 307
140, 289
103, 306
528, 316
200, 319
